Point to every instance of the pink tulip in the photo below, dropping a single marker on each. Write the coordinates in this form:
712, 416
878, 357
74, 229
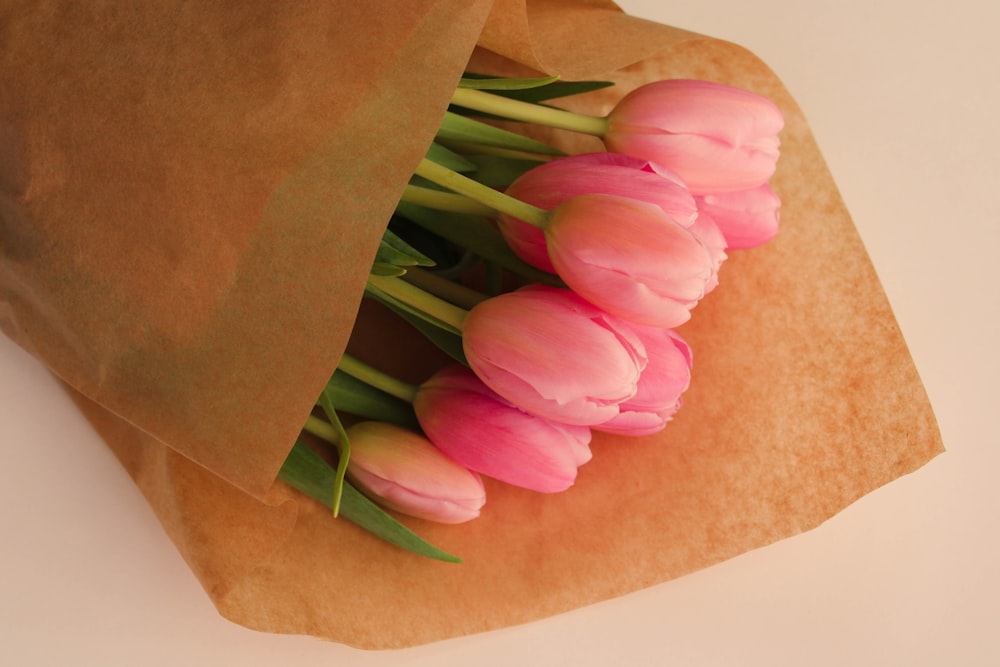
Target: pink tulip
629, 258
483, 432
718, 138
552, 354
552, 183
402, 470
746, 218
665, 378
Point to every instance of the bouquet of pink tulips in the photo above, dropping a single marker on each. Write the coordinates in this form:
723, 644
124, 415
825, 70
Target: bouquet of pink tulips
610, 251
279, 252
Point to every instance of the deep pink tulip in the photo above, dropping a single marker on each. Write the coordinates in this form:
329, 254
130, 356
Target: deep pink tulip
552, 183
666, 376
483, 432
629, 258
402, 470
552, 354
746, 218
718, 138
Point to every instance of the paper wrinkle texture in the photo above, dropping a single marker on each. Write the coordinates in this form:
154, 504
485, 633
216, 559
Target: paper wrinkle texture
190, 199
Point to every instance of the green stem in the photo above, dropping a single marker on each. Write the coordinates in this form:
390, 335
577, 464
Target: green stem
321, 429
376, 378
444, 201
483, 194
455, 293
530, 113
325, 402
412, 295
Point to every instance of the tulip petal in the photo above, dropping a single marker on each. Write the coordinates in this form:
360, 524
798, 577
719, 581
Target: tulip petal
746, 218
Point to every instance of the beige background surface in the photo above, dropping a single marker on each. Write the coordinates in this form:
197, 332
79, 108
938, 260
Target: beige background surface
903, 101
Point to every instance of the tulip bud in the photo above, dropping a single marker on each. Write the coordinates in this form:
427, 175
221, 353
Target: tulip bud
552, 354
552, 183
629, 258
403, 471
746, 218
658, 397
717, 138
483, 432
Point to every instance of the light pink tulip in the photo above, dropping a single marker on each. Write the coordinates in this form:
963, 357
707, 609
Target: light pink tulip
402, 470
483, 432
552, 183
718, 138
666, 376
629, 258
552, 354
746, 218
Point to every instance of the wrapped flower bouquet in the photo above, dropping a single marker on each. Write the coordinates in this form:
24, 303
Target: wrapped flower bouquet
500, 282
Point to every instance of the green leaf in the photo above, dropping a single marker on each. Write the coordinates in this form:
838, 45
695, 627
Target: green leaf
305, 471
394, 251
383, 269
554, 90
447, 158
478, 82
477, 235
438, 250
326, 404
459, 128
359, 398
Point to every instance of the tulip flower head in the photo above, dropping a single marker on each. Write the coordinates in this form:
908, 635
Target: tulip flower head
553, 354
667, 375
629, 258
483, 432
552, 183
716, 137
403, 471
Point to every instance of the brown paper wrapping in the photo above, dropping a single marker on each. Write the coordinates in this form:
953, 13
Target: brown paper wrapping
191, 199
